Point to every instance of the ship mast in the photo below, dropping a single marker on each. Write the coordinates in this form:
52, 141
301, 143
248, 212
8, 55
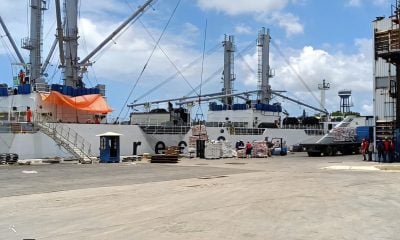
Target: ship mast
229, 76
74, 68
263, 66
71, 44
34, 43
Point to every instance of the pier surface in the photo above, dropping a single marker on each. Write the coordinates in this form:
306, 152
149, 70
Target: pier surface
282, 197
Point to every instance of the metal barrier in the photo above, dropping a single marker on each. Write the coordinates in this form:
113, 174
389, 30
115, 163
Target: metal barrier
67, 137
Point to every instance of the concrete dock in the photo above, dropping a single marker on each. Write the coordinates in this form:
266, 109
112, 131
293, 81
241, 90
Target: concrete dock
282, 197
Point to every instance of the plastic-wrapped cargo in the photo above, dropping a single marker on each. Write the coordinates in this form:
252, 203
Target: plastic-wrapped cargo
227, 151
198, 130
213, 150
193, 139
344, 134
241, 153
260, 149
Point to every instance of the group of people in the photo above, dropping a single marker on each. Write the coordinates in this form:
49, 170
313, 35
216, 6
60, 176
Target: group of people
248, 147
367, 148
385, 150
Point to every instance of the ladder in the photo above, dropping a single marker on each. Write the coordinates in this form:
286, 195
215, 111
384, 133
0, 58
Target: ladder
67, 138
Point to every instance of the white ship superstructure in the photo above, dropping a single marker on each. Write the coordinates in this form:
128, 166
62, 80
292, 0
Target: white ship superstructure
68, 117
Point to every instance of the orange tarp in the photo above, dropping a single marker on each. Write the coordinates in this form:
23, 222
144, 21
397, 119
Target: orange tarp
93, 103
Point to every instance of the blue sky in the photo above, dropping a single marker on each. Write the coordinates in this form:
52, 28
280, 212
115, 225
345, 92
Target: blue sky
329, 40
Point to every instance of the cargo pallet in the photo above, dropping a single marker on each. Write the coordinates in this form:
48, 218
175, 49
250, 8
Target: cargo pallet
164, 158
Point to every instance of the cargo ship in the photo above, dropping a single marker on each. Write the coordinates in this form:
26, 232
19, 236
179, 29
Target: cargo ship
69, 118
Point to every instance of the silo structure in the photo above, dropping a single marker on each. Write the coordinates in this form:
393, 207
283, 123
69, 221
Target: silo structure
345, 102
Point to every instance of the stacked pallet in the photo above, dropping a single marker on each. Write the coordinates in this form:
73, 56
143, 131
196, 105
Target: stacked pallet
260, 149
198, 130
241, 153
213, 150
198, 133
193, 140
227, 151
162, 158
173, 151
171, 156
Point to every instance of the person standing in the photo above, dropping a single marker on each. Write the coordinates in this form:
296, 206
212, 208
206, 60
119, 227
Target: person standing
386, 150
28, 114
391, 151
21, 76
364, 148
370, 150
249, 147
380, 149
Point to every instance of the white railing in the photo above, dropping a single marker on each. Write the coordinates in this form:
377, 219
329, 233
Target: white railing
20, 127
157, 129
61, 132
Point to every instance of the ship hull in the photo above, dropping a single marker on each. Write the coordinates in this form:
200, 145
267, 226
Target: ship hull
40, 145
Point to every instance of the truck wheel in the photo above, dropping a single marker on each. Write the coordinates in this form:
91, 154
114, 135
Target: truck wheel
314, 154
334, 151
357, 150
347, 151
328, 151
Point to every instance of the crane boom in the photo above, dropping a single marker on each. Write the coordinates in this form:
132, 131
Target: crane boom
60, 35
141, 10
300, 103
11, 41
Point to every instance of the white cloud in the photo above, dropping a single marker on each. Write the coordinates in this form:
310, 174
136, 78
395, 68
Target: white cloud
367, 109
191, 29
358, 3
242, 6
289, 22
342, 71
300, 2
263, 11
243, 29
354, 3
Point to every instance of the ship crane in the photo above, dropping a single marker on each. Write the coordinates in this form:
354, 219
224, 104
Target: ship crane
20, 58
264, 91
73, 67
133, 17
192, 99
213, 96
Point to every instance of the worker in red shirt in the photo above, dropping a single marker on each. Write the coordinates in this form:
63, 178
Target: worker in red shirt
21, 76
249, 147
28, 114
386, 150
364, 148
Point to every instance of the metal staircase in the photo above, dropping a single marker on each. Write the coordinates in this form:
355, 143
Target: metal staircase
68, 139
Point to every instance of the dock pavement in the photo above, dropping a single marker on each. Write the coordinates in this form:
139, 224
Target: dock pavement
281, 197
